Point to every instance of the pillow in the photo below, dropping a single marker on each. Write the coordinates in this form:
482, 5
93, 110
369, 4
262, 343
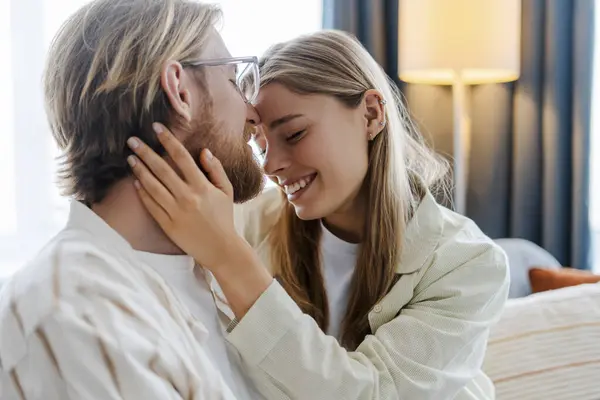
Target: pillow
547, 346
543, 279
522, 255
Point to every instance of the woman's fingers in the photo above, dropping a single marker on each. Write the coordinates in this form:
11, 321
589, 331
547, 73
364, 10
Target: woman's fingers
159, 167
216, 173
152, 187
155, 210
180, 156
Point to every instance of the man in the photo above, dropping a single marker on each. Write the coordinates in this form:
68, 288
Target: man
93, 316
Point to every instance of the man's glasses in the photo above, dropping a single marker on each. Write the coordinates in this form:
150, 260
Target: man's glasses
247, 73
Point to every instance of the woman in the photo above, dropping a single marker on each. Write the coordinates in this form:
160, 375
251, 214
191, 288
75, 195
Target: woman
352, 233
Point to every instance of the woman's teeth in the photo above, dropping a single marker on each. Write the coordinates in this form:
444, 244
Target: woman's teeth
294, 187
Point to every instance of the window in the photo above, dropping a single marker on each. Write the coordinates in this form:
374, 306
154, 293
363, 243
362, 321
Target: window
7, 173
250, 27
31, 210
25, 212
595, 152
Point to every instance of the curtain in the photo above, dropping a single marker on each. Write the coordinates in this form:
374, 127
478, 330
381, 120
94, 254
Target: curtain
529, 167
373, 22
542, 125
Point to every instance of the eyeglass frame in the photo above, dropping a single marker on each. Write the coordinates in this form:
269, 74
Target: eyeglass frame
252, 60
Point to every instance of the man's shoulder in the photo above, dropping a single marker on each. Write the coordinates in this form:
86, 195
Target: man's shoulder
65, 277
71, 263
70, 259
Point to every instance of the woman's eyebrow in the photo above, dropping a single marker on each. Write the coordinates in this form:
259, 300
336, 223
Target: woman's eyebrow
280, 121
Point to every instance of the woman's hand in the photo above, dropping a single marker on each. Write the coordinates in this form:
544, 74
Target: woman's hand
197, 215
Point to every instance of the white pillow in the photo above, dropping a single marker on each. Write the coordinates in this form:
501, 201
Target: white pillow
547, 346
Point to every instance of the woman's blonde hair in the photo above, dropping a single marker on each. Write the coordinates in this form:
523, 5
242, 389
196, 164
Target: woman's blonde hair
400, 168
102, 82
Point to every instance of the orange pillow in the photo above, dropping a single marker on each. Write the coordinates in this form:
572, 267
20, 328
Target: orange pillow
550, 279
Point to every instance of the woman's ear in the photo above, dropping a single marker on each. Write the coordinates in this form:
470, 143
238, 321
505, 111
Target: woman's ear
175, 85
374, 104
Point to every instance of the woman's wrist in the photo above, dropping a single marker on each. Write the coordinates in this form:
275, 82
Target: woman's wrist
242, 277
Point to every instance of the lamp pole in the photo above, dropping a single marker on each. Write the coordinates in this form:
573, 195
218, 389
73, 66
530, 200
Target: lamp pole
459, 43
460, 142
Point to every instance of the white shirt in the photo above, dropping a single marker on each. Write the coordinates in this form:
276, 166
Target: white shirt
338, 262
190, 284
86, 319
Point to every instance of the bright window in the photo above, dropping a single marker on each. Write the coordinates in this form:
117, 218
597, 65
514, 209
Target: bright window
31, 210
595, 152
250, 27
8, 217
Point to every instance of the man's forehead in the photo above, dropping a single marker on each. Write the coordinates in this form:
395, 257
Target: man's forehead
215, 46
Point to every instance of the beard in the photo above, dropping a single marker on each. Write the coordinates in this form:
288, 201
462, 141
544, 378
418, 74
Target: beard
239, 162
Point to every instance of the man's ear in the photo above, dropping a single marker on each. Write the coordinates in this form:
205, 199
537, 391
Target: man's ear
374, 106
172, 79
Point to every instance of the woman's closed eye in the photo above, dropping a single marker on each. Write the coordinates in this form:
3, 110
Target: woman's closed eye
294, 137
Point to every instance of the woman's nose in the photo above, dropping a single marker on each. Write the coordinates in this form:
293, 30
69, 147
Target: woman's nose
275, 160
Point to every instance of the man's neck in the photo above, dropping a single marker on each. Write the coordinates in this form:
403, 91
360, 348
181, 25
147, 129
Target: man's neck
123, 211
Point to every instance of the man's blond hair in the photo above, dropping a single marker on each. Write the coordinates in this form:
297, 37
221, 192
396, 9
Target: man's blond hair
102, 82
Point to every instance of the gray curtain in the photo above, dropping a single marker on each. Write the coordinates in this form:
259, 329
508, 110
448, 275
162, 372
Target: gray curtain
529, 166
373, 22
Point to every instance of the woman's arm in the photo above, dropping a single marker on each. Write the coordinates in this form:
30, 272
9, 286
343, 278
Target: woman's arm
431, 350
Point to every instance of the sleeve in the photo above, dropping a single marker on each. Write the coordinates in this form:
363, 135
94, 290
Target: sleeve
95, 348
430, 350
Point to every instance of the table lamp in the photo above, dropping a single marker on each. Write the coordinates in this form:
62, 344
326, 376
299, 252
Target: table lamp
459, 43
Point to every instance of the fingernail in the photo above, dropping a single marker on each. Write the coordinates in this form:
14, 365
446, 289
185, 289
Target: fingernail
209, 155
131, 161
158, 128
137, 185
133, 143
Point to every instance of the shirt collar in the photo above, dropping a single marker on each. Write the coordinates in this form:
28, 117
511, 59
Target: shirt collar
167, 264
81, 217
422, 235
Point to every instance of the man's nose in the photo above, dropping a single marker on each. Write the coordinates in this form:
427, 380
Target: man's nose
252, 116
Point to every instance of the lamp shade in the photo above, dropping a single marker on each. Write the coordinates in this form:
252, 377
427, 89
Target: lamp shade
477, 41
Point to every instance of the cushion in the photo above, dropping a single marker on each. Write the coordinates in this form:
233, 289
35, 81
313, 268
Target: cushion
543, 279
547, 346
522, 255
